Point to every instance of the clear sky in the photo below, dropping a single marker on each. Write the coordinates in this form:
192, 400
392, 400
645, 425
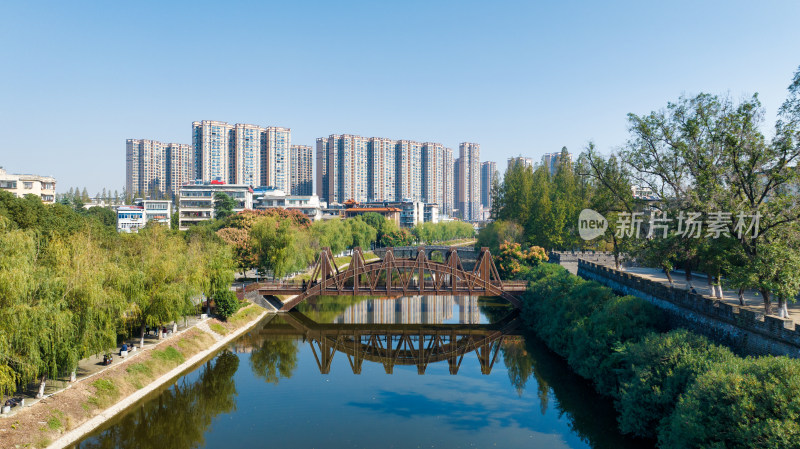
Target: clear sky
78, 78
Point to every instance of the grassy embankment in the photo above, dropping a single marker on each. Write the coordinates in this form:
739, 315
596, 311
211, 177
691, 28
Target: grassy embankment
86, 399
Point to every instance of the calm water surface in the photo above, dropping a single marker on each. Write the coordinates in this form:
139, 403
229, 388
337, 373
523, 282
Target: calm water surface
292, 383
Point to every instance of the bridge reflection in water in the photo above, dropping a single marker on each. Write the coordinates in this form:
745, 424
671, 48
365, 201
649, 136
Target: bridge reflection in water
392, 344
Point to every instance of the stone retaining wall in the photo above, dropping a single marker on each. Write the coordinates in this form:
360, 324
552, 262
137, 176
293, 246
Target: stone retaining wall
747, 332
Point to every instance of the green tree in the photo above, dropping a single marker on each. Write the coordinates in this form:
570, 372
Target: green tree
223, 205
655, 371
226, 303
742, 403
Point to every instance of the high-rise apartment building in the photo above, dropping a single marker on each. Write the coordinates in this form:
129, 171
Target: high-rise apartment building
382, 182
468, 182
242, 154
301, 178
488, 176
213, 146
437, 176
153, 167
276, 158
321, 178
525, 161
345, 168
409, 169
180, 167
379, 169
245, 157
551, 161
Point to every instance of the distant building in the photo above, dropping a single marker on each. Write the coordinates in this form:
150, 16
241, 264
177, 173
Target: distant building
363, 169
301, 170
276, 158
525, 161
551, 161
20, 185
132, 218
197, 201
242, 154
642, 192
213, 145
431, 213
246, 158
268, 198
152, 166
389, 213
468, 181
488, 177
159, 211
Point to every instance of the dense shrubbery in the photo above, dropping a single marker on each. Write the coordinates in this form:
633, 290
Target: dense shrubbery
677, 385
442, 232
226, 303
512, 258
655, 371
743, 403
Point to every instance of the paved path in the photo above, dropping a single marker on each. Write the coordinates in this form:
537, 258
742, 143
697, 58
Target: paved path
92, 365
752, 299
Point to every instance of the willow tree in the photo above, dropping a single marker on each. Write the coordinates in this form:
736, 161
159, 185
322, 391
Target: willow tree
158, 286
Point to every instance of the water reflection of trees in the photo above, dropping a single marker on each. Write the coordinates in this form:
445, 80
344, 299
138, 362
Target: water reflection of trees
591, 416
273, 359
324, 309
180, 416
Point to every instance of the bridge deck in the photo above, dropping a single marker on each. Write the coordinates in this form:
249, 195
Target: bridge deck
283, 288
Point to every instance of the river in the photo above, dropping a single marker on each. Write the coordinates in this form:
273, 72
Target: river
343, 372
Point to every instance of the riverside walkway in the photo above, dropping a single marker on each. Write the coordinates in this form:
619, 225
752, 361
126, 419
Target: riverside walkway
91, 366
753, 300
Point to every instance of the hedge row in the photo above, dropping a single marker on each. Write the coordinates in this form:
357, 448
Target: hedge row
672, 385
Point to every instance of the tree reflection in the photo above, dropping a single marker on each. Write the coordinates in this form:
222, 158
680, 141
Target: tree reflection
591, 416
180, 416
273, 359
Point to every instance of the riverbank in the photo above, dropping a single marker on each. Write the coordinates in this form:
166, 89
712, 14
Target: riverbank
63, 419
671, 385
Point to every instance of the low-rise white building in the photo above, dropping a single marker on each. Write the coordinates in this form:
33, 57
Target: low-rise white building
412, 213
197, 201
130, 218
159, 211
20, 185
133, 218
266, 198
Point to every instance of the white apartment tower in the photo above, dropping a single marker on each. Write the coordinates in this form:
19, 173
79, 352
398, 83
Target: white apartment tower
276, 158
437, 176
301, 170
409, 170
242, 154
468, 181
153, 167
382, 170
213, 145
245, 159
379, 169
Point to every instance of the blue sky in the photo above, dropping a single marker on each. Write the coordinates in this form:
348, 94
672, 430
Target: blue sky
78, 78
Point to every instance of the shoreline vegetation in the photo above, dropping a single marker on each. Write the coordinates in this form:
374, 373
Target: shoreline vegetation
668, 385
116, 387
72, 287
